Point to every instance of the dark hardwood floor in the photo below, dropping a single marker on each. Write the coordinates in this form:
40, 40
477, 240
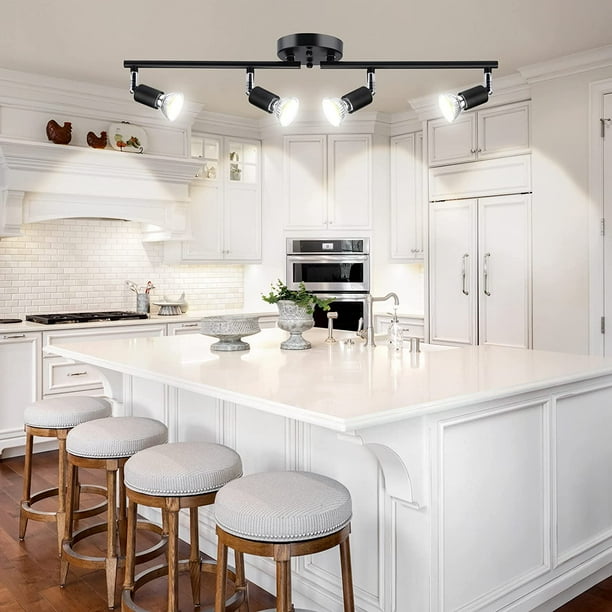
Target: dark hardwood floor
29, 570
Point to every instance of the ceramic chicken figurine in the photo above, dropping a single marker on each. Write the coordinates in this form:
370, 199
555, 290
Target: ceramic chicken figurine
97, 142
59, 134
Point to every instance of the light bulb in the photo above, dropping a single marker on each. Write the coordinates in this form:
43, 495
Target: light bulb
171, 105
335, 110
285, 110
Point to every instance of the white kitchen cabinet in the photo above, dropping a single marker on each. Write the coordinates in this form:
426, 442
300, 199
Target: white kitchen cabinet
407, 196
225, 209
20, 383
328, 182
480, 271
64, 376
494, 131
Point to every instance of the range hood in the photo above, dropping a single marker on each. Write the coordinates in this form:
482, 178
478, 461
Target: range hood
43, 181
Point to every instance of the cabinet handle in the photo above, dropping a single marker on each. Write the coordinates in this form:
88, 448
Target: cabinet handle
485, 273
473, 151
77, 373
14, 336
190, 325
463, 273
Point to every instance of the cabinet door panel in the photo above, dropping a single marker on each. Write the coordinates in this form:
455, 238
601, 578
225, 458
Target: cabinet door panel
349, 182
206, 223
242, 238
19, 383
449, 143
503, 130
305, 181
452, 274
504, 252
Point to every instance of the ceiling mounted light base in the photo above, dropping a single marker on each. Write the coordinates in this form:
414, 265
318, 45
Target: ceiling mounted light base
309, 49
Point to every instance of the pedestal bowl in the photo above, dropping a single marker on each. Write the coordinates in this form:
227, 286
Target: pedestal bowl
230, 329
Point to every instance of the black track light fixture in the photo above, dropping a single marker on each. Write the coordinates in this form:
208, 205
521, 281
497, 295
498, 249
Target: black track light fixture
284, 109
295, 51
336, 109
452, 106
169, 104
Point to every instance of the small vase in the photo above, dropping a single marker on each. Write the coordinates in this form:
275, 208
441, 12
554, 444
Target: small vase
295, 320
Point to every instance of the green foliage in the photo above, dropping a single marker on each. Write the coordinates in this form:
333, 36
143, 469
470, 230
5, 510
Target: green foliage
302, 297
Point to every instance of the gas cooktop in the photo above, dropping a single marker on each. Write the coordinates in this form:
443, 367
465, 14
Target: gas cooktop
84, 317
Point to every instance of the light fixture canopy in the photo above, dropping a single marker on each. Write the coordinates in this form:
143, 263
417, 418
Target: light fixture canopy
308, 49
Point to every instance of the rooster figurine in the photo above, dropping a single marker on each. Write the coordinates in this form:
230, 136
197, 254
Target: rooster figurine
97, 142
59, 134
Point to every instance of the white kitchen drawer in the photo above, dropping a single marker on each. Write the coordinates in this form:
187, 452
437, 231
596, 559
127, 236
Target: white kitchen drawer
180, 329
101, 333
62, 375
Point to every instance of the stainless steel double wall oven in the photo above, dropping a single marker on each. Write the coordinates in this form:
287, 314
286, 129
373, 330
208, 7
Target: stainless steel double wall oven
336, 268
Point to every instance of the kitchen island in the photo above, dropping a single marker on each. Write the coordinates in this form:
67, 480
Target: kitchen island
478, 474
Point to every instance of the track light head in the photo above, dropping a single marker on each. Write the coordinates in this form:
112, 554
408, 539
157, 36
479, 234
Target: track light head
284, 109
169, 104
451, 106
336, 109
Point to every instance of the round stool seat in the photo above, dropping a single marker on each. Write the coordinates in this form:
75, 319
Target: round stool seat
65, 412
182, 469
115, 437
283, 506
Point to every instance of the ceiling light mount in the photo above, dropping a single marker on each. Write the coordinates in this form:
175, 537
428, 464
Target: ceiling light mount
309, 49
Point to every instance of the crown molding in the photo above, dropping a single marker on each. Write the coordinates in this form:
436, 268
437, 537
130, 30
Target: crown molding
568, 65
47, 94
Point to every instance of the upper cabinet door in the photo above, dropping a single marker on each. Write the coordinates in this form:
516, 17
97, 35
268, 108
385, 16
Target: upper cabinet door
349, 181
305, 181
503, 130
496, 131
451, 143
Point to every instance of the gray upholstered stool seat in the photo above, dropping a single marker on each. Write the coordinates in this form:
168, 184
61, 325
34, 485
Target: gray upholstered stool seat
281, 515
54, 418
172, 477
283, 506
66, 412
107, 444
115, 437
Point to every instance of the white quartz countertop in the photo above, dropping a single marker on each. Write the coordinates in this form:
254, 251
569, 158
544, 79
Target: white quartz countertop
339, 386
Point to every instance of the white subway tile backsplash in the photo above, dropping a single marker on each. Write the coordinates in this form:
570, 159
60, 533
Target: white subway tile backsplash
82, 264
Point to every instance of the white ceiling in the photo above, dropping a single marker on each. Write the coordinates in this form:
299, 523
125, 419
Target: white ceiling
88, 40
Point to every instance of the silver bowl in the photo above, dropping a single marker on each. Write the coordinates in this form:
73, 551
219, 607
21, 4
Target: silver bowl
229, 329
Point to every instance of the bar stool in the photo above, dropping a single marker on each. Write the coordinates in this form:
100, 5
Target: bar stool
54, 418
283, 515
171, 477
106, 444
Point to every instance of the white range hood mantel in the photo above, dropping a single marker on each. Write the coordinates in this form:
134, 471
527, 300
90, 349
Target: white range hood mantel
41, 181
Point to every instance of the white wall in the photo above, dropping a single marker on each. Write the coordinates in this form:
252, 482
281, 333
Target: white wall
82, 264
561, 208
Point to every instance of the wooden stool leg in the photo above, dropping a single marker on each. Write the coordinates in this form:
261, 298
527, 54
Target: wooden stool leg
173, 557
27, 484
241, 581
194, 555
347, 576
130, 555
61, 490
73, 475
282, 557
111, 536
121, 518
221, 574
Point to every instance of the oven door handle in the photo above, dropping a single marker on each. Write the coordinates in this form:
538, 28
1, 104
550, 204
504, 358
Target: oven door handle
319, 258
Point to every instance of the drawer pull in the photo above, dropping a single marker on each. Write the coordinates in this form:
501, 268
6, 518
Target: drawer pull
14, 336
190, 325
78, 373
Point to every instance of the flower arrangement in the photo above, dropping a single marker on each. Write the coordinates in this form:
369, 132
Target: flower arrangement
279, 291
